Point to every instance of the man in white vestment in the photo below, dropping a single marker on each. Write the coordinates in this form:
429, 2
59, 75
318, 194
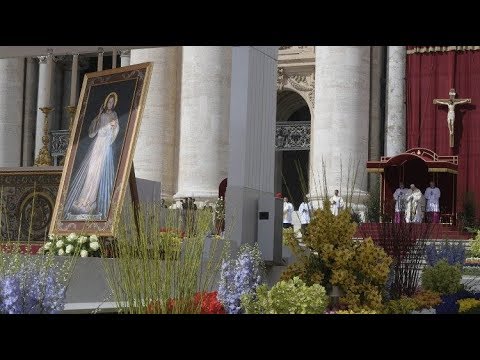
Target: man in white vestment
400, 198
287, 213
414, 211
336, 203
305, 211
432, 196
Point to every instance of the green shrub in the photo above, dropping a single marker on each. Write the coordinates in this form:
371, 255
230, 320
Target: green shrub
287, 297
404, 305
442, 278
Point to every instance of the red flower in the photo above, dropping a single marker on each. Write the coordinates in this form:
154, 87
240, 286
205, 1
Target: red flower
209, 305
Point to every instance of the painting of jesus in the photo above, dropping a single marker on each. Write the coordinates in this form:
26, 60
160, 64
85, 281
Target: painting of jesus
99, 157
93, 182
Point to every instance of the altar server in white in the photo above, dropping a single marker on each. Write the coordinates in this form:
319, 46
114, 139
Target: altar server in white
432, 196
336, 203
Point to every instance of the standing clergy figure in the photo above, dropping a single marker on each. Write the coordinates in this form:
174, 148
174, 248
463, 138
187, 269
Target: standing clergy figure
336, 203
432, 196
287, 213
400, 198
414, 211
305, 210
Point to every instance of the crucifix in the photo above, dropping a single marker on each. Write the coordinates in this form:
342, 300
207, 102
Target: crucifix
451, 103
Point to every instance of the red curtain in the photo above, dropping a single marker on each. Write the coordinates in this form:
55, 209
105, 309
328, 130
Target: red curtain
431, 76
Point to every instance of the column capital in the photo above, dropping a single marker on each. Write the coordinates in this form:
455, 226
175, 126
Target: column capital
125, 53
42, 59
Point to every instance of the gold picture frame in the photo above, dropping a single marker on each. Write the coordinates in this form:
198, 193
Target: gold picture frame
100, 152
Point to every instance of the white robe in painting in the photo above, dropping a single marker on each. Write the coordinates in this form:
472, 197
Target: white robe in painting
336, 204
91, 189
414, 209
432, 196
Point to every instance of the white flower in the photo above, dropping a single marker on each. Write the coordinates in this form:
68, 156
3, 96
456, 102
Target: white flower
93, 238
82, 239
61, 252
51, 237
94, 246
59, 244
72, 237
47, 245
69, 249
84, 253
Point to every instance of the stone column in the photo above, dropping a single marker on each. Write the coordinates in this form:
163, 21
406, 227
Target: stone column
30, 111
67, 80
43, 99
124, 57
340, 126
395, 127
11, 110
252, 142
60, 97
377, 111
204, 121
155, 151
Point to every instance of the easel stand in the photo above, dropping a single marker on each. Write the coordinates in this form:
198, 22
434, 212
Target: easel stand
134, 195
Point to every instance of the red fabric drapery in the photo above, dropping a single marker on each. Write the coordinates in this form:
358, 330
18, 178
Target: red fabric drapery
431, 76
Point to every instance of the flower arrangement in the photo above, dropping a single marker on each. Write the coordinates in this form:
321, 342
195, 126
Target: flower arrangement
207, 301
72, 245
239, 277
287, 297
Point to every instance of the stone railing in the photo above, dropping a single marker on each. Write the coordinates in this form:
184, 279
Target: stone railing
292, 136
59, 145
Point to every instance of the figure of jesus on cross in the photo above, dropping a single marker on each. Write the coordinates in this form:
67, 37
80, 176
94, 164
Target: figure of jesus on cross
451, 103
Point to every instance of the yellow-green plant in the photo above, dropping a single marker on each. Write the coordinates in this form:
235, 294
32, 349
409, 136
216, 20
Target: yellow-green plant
286, 297
153, 272
359, 268
475, 245
289, 238
469, 306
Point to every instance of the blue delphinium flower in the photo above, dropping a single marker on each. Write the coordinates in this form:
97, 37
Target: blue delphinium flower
454, 254
240, 276
29, 289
